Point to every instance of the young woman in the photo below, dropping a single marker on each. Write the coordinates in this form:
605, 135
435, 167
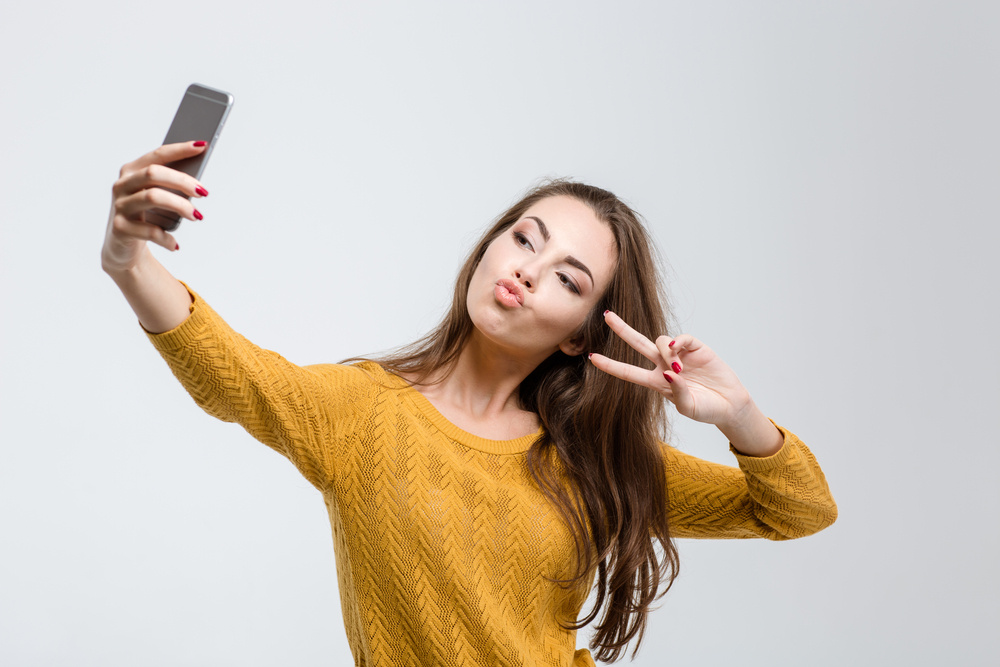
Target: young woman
478, 479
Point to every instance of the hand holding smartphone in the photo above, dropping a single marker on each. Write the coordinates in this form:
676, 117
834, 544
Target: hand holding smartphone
200, 117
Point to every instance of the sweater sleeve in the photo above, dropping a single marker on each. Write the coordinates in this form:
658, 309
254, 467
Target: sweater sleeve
779, 497
299, 411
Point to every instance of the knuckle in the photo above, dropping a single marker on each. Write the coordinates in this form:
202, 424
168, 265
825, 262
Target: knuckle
118, 187
119, 224
151, 196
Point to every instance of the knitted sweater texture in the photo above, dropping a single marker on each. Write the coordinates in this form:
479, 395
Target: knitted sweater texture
443, 541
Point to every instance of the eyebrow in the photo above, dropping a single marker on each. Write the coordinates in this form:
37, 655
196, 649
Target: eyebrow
572, 261
541, 226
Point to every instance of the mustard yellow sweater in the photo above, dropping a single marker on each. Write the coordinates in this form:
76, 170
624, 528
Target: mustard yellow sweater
442, 540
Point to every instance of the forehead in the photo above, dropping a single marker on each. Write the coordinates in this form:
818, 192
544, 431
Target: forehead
576, 230
564, 210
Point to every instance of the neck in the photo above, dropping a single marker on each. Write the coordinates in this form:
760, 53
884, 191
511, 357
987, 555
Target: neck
483, 381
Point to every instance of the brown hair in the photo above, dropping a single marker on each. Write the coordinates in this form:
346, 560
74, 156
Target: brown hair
604, 431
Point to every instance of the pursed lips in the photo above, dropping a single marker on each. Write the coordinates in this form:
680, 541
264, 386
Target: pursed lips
513, 288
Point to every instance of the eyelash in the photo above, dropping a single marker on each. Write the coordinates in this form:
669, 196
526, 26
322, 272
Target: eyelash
569, 284
519, 237
522, 240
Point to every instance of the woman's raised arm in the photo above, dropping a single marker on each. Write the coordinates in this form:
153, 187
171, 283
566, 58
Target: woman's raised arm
158, 299
778, 491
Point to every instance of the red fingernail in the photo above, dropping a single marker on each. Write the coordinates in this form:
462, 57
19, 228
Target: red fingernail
668, 377
197, 214
204, 193
606, 312
589, 356
676, 366
199, 144
177, 247
671, 343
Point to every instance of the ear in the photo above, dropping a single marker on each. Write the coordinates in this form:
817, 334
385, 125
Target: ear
572, 346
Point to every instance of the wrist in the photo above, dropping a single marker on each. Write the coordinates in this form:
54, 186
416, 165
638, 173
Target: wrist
743, 412
159, 300
128, 270
752, 433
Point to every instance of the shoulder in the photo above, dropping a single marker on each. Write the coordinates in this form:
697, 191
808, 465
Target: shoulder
357, 375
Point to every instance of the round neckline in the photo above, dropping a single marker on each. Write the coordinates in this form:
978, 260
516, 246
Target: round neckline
471, 440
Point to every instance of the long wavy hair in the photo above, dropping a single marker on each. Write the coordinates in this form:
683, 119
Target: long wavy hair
605, 432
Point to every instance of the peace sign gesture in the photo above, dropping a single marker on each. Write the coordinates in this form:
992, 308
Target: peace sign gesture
688, 373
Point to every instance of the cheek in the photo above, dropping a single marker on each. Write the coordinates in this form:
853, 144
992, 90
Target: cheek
563, 318
481, 276
480, 290
487, 265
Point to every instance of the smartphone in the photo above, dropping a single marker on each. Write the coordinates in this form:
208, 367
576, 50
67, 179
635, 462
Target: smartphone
200, 117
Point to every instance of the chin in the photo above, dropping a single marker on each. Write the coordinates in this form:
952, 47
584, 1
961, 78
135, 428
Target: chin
489, 322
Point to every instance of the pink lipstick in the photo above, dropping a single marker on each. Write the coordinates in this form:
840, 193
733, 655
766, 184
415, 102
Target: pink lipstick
508, 293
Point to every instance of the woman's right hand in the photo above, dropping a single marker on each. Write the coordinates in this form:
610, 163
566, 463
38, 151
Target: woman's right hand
135, 192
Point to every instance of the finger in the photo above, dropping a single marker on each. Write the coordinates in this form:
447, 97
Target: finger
633, 338
145, 231
155, 197
673, 348
158, 175
162, 237
663, 346
167, 153
678, 387
647, 378
687, 343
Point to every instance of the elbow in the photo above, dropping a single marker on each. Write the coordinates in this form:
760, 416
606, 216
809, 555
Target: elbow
824, 517
828, 516
821, 517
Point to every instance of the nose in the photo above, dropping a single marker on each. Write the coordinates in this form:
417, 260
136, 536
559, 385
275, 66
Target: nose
524, 278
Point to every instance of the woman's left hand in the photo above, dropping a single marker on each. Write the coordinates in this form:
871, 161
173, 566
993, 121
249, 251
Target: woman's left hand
700, 385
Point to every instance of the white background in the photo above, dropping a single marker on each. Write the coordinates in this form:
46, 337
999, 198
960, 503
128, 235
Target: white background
821, 179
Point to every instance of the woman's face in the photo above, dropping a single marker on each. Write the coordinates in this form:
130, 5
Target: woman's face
537, 282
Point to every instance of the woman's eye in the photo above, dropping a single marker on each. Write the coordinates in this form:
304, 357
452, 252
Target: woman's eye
522, 240
564, 279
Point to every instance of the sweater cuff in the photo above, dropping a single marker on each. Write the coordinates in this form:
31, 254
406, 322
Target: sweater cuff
763, 463
186, 331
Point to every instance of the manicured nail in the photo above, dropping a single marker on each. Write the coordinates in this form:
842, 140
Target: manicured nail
668, 377
199, 144
606, 312
676, 366
671, 343
177, 247
590, 355
197, 214
204, 193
